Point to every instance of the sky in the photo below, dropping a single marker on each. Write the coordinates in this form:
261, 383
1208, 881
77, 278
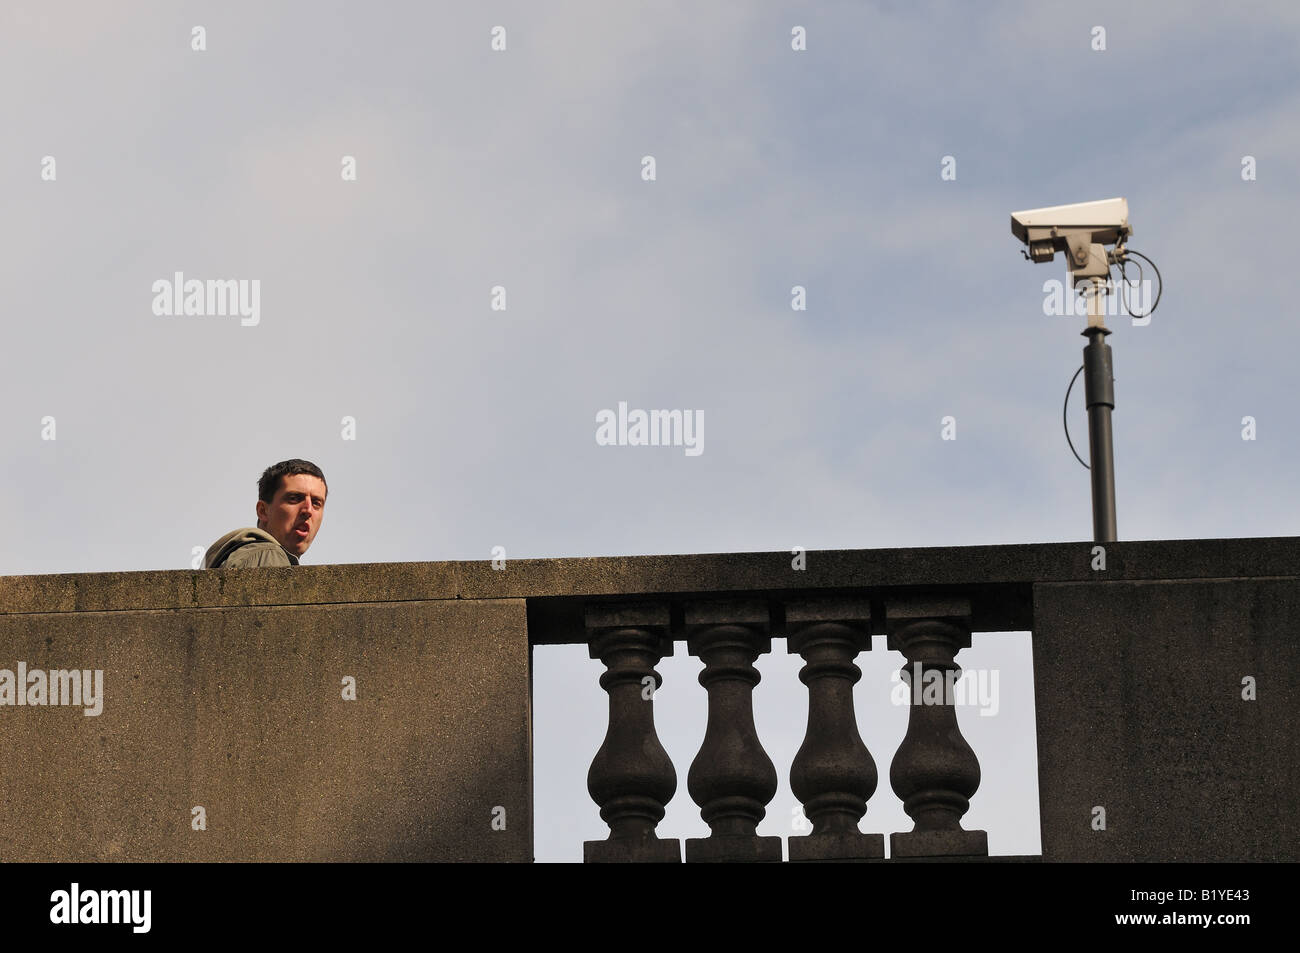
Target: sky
876, 169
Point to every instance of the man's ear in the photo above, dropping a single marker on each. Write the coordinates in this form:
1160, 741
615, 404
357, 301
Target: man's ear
261, 512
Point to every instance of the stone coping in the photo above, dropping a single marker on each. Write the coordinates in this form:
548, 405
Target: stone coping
998, 579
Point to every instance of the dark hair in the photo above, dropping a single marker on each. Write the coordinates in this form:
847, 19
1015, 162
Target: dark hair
269, 485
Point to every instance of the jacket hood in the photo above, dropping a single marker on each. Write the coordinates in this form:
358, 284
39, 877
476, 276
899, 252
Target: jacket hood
227, 544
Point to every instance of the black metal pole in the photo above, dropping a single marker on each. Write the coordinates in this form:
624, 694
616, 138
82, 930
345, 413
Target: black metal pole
1099, 389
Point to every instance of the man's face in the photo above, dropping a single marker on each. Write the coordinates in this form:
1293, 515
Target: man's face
294, 515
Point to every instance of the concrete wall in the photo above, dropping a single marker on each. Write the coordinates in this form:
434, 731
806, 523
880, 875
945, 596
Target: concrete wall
222, 689
241, 711
1138, 693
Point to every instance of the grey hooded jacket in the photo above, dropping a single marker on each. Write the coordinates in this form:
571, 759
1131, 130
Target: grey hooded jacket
245, 548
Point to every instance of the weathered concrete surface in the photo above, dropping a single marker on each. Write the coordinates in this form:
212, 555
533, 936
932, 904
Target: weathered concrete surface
223, 691
240, 711
997, 579
1138, 693
272, 586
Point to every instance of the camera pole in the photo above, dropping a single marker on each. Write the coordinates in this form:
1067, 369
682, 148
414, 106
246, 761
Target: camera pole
1099, 391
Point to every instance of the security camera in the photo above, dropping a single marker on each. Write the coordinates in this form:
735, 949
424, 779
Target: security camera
1079, 230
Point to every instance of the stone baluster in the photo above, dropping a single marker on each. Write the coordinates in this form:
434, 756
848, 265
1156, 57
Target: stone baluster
732, 779
934, 771
631, 777
833, 774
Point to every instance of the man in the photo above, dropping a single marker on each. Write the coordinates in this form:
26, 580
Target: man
290, 506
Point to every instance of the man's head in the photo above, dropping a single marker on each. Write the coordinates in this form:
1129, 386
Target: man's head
291, 503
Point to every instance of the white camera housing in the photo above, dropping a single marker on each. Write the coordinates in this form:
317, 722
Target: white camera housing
1080, 230
1104, 222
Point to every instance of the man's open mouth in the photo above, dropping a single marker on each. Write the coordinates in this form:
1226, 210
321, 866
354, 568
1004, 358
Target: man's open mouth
302, 529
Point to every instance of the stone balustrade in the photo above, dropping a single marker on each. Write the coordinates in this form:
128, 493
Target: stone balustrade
383, 711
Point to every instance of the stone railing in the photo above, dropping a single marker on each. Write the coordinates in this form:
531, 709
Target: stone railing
732, 779
383, 711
